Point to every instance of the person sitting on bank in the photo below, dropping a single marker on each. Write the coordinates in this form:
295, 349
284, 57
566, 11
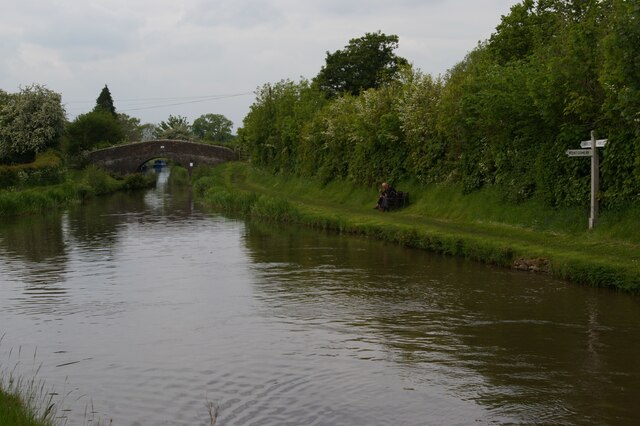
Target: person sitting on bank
386, 192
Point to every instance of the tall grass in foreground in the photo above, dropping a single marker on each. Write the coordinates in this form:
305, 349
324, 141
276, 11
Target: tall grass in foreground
25, 401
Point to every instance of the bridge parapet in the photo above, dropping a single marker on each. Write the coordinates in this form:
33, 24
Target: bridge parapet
129, 158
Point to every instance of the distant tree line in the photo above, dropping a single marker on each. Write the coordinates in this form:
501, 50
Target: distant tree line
34, 120
505, 115
104, 126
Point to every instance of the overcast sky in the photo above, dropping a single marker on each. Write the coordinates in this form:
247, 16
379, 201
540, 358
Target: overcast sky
193, 57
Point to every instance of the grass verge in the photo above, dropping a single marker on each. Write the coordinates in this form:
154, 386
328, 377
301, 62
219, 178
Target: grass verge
77, 187
478, 226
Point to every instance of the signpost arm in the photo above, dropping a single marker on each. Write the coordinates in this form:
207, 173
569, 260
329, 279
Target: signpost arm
595, 181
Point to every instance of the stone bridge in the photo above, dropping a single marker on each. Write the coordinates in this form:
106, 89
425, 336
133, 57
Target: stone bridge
129, 158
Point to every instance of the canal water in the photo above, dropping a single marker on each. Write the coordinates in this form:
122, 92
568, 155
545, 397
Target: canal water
142, 309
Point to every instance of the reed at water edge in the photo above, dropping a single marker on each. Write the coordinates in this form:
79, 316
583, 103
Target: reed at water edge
25, 400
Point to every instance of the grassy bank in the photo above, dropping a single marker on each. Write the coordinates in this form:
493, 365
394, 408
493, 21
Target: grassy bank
24, 402
15, 412
76, 187
478, 226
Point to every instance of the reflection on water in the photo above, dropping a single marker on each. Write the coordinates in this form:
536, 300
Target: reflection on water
526, 347
153, 309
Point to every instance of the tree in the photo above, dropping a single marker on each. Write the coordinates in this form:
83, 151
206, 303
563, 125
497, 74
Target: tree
30, 122
130, 127
148, 131
213, 127
621, 77
272, 130
92, 130
514, 36
176, 127
105, 102
4, 98
366, 62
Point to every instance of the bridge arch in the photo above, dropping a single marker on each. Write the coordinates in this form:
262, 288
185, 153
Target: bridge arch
129, 158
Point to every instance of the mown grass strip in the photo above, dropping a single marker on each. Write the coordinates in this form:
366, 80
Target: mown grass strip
600, 259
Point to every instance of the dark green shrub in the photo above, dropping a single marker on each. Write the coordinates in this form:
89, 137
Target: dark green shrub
47, 169
88, 131
138, 181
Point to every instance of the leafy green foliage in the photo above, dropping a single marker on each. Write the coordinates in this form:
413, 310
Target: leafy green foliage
148, 131
92, 130
79, 186
326, 145
418, 110
379, 148
47, 169
621, 81
272, 129
366, 62
31, 121
514, 38
176, 127
131, 127
503, 117
213, 127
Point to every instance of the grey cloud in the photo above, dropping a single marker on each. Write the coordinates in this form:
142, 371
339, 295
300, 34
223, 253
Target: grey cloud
80, 43
371, 7
81, 34
240, 14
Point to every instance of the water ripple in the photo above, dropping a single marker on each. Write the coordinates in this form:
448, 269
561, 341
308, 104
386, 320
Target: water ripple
147, 312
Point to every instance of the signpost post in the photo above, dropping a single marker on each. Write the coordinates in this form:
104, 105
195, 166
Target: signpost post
592, 152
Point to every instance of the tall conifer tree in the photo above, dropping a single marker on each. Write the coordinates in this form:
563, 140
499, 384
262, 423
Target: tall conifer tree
105, 102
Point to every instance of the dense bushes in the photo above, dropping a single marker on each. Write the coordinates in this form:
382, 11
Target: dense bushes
80, 186
92, 130
504, 116
47, 169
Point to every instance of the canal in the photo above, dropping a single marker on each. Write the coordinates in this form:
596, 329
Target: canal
143, 309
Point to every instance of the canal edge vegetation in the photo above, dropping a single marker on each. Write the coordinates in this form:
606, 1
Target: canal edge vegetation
552, 244
14, 411
47, 183
19, 407
25, 401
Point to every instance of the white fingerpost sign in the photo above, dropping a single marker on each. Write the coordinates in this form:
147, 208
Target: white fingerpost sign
591, 151
600, 143
579, 152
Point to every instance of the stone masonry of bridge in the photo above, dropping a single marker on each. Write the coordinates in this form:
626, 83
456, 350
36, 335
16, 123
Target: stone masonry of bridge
129, 158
